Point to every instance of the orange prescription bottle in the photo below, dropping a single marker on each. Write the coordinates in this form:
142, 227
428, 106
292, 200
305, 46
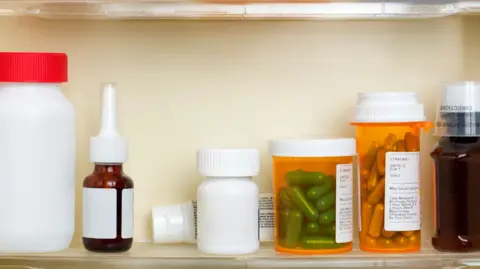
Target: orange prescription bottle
388, 126
313, 204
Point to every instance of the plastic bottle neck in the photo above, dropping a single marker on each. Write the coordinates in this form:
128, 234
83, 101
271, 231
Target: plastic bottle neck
30, 86
108, 168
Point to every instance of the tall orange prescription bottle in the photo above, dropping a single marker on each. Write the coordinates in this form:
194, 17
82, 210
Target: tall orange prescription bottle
388, 126
312, 181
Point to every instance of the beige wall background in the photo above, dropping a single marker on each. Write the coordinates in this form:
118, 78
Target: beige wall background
185, 85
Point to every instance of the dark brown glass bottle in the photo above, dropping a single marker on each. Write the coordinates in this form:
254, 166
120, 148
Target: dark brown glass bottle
457, 169
457, 172
457, 193
110, 177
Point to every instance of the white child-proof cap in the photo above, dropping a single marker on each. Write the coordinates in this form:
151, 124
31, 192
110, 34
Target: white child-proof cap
169, 224
388, 107
109, 146
313, 147
228, 162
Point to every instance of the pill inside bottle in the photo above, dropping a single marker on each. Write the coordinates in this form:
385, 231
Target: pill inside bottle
313, 181
388, 145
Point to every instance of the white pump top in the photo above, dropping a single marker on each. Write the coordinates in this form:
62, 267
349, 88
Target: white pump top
109, 146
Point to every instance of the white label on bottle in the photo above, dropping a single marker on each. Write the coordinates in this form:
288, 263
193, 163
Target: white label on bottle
266, 217
402, 191
344, 204
127, 213
99, 213
195, 233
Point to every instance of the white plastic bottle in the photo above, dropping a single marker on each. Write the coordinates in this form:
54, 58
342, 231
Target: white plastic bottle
37, 154
228, 201
177, 223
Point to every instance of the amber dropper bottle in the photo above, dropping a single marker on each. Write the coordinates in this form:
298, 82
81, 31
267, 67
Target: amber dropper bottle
108, 192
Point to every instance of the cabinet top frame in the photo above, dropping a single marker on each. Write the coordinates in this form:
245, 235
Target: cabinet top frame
237, 9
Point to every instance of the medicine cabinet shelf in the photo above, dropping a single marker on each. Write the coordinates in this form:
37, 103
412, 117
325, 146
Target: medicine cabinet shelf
146, 256
236, 9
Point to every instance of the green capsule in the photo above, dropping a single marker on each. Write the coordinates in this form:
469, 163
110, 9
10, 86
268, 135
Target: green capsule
314, 193
301, 202
327, 217
326, 202
332, 180
328, 230
312, 228
299, 177
294, 228
285, 200
331, 230
318, 242
283, 221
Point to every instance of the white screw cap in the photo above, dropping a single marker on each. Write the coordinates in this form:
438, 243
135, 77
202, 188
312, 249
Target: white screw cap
388, 107
168, 224
313, 147
228, 162
109, 146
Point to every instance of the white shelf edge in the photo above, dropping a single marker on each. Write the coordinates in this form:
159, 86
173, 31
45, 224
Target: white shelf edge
186, 256
469, 7
157, 9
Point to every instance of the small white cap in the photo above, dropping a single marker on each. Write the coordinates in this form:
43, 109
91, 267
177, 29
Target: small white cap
228, 162
109, 146
168, 224
458, 112
460, 97
313, 147
388, 107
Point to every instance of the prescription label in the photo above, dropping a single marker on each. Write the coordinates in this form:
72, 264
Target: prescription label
266, 217
127, 213
99, 213
344, 204
402, 191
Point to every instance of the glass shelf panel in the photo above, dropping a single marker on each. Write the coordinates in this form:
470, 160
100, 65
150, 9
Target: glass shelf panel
281, 9
144, 255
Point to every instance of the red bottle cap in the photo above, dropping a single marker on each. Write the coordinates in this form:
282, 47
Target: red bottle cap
33, 67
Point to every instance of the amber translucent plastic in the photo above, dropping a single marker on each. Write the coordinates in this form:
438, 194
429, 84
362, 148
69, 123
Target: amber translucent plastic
109, 176
281, 166
374, 140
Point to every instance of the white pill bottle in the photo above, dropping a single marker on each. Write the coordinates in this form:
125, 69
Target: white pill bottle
228, 201
37, 154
